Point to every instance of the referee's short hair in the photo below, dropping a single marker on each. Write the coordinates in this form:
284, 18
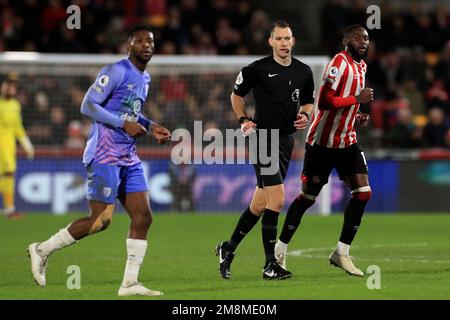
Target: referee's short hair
279, 24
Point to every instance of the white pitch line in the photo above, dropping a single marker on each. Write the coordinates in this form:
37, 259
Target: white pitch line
324, 257
304, 253
300, 252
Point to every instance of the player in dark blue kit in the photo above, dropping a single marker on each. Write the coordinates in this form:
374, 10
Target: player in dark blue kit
114, 170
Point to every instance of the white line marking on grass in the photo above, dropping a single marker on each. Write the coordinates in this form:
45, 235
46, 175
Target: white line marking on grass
306, 253
300, 252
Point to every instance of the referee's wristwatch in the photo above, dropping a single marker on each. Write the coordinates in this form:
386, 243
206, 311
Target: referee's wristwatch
244, 118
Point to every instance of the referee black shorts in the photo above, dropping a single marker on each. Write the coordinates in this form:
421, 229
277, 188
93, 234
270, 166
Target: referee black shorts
277, 171
320, 161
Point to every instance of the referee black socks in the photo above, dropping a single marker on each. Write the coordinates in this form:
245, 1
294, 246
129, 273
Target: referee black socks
246, 222
269, 223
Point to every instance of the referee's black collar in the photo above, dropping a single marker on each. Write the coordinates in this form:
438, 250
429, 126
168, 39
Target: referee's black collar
292, 60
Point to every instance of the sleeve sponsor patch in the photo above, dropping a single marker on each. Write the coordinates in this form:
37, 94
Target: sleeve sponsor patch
239, 79
103, 80
332, 73
97, 88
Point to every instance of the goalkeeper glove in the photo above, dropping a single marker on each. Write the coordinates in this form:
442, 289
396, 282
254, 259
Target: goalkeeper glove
27, 146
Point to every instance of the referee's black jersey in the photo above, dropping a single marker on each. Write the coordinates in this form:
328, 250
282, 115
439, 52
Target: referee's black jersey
278, 91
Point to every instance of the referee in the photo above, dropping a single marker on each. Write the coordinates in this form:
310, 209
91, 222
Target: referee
280, 84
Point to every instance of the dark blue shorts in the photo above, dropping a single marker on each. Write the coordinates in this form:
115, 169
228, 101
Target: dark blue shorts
107, 182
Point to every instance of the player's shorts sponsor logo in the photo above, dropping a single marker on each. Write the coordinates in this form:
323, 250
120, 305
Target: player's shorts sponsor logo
107, 191
240, 78
103, 80
295, 95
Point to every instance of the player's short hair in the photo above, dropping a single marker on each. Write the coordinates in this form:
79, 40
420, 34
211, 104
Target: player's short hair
279, 24
350, 29
139, 27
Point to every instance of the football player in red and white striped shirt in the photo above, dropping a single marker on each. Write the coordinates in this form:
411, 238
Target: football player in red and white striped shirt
331, 143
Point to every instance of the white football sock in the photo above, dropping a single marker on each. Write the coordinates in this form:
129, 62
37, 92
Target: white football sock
343, 249
136, 251
283, 246
58, 241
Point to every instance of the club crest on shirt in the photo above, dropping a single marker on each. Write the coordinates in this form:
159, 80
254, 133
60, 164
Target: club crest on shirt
103, 80
136, 108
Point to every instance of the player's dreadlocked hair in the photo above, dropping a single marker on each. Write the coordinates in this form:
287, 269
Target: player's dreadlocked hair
350, 29
137, 28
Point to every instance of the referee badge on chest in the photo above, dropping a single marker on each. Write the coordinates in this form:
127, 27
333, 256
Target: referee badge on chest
295, 95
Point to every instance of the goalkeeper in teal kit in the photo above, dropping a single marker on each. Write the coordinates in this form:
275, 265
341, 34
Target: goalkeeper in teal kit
114, 170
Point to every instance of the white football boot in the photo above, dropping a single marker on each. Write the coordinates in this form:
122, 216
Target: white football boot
138, 289
38, 264
345, 263
280, 254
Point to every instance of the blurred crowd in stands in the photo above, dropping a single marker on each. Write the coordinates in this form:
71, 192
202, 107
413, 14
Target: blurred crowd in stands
408, 67
408, 62
180, 26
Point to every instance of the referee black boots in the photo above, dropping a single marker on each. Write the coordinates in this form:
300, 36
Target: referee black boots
273, 271
225, 259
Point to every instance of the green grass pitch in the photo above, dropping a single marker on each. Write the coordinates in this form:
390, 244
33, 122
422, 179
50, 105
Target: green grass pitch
412, 252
